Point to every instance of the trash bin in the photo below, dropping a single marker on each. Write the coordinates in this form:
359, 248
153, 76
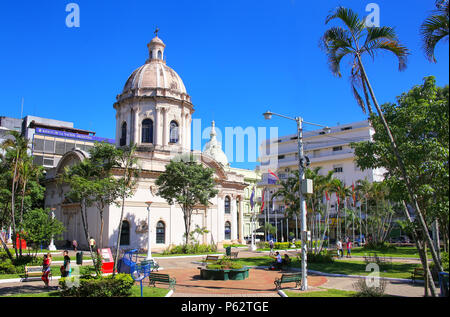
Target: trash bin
80, 258
228, 251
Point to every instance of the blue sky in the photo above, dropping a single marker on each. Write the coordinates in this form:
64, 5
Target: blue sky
236, 58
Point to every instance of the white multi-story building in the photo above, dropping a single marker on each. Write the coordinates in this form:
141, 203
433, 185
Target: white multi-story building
331, 151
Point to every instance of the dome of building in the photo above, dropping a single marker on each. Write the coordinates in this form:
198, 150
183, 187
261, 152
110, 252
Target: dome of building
213, 148
155, 78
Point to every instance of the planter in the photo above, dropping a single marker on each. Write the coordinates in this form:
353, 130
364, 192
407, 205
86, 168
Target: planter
224, 275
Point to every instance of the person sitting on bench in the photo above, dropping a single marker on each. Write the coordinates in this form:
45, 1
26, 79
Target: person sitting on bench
287, 260
278, 261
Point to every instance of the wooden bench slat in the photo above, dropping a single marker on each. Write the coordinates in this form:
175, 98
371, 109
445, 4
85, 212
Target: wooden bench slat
288, 278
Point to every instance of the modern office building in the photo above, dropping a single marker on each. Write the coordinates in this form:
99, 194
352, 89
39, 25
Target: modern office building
331, 151
50, 139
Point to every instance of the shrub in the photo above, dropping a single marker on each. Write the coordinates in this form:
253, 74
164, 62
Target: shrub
322, 257
364, 290
192, 248
224, 263
117, 286
444, 259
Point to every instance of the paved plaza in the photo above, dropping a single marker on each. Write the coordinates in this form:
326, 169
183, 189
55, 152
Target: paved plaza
260, 282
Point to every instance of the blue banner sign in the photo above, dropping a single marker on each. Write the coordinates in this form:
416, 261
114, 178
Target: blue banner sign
72, 135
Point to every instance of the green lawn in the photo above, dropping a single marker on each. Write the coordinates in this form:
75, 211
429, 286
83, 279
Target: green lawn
135, 292
353, 267
325, 293
397, 252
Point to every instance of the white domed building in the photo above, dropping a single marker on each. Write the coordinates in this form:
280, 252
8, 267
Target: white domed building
155, 111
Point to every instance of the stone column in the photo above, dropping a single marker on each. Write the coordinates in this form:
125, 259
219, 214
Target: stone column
234, 223
164, 129
241, 221
220, 219
118, 129
136, 126
156, 129
129, 130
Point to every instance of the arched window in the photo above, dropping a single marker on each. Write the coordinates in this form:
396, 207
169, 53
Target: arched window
125, 234
160, 232
123, 134
227, 230
147, 131
227, 204
173, 132
151, 54
159, 55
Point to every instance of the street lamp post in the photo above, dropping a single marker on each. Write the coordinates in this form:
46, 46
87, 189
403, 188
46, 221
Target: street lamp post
149, 245
301, 175
52, 246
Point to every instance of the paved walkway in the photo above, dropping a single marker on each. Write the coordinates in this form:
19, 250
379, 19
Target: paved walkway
259, 284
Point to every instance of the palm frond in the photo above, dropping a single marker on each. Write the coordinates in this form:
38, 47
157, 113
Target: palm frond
349, 17
432, 30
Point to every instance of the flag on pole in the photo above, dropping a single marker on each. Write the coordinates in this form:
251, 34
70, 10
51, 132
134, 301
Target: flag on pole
326, 195
353, 194
270, 180
262, 205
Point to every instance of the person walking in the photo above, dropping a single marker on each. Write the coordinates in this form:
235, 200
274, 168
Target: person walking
339, 249
271, 246
92, 243
46, 268
349, 249
65, 268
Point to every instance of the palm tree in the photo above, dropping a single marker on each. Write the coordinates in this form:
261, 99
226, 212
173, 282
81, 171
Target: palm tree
435, 28
339, 43
18, 147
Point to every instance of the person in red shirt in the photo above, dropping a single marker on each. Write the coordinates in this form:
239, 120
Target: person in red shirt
46, 269
349, 249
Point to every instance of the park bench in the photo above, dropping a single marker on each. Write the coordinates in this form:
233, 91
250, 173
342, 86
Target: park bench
208, 259
333, 253
34, 271
288, 278
234, 254
161, 278
154, 266
417, 272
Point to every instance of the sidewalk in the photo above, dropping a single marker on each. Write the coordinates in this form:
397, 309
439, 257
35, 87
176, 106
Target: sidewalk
260, 282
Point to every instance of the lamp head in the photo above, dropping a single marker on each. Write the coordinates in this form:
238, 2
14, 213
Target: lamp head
148, 203
267, 115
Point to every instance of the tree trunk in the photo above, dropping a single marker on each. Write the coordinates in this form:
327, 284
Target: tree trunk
116, 258
401, 166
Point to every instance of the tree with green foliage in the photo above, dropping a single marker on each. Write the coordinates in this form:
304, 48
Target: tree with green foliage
39, 227
188, 184
126, 186
420, 123
355, 41
435, 29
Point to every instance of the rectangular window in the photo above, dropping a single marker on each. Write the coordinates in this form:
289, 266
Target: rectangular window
48, 161
38, 160
337, 148
49, 146
38, 145
346, 128
69, 145
338, 169
280, 157
60, 147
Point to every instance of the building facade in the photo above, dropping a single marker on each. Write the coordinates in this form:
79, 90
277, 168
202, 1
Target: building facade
330, 151
154, 111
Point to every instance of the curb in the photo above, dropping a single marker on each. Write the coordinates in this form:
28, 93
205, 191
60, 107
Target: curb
169, 294
281, 293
